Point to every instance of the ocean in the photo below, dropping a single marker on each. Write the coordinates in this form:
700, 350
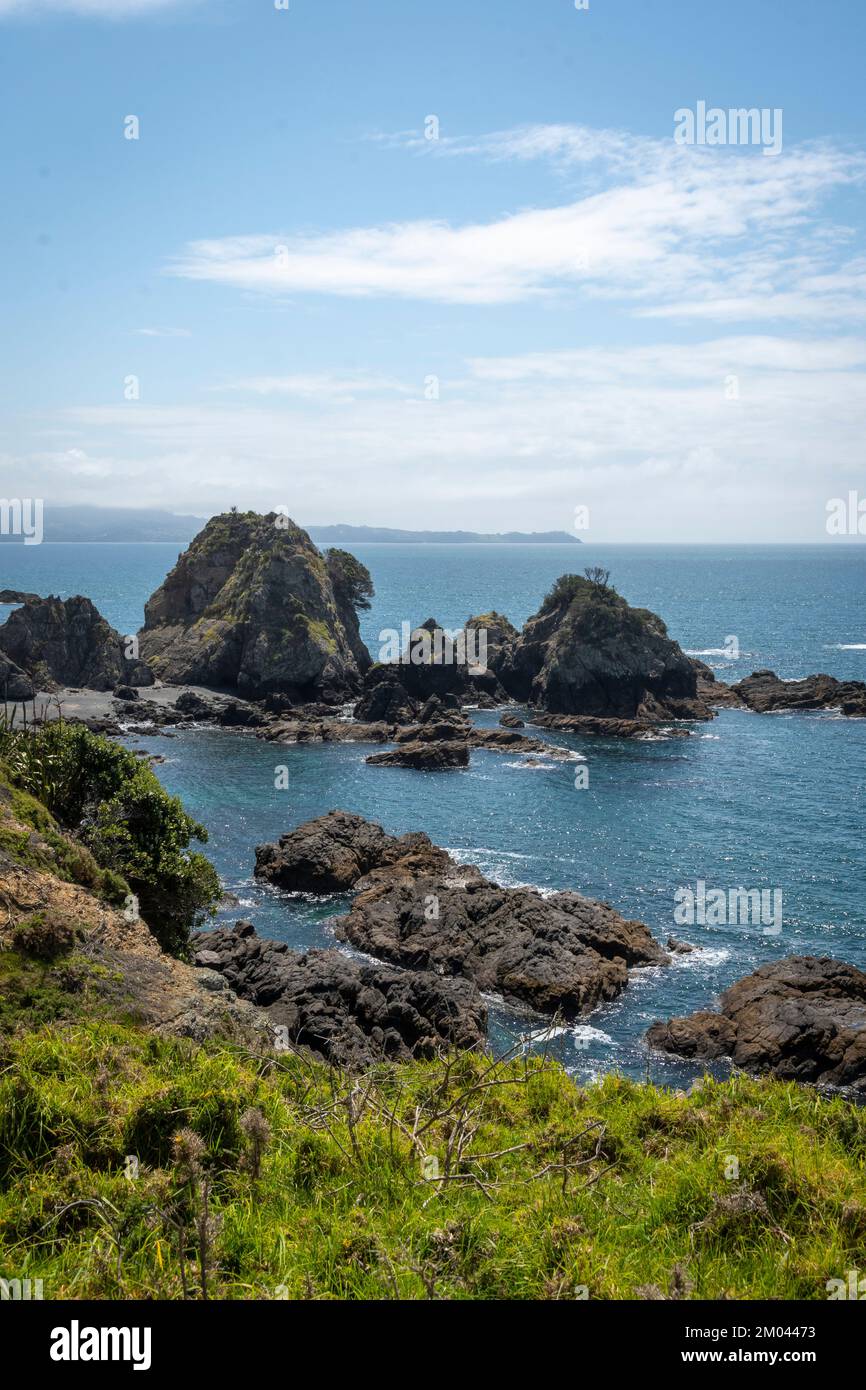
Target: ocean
773, 802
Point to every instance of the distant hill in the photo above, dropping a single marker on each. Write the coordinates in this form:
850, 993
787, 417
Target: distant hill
334, 535
129, 524
115, 524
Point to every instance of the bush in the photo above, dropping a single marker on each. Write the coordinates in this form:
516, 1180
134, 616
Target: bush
44, 937
351, 580
124, 816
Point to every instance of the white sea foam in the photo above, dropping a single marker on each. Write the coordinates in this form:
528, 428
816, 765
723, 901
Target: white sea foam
583, 1033
541, 1036
846, 646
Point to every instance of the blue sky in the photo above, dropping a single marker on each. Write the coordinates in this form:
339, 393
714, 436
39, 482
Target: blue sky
551, 306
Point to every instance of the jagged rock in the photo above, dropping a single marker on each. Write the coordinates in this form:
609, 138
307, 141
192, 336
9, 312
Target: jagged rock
253, 606
802, 1019
432, 756
15, 685
511, 721
216, 709
328, 854
764, 691
499, 634
66, 642
714, 693
562, 953
353, 1014
588, 652
126, 693
385, 698
418, 908
681, 948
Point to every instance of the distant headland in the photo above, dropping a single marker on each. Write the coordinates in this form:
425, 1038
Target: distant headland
132, 524
332, 535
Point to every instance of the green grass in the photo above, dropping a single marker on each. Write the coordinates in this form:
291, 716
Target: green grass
557, 1192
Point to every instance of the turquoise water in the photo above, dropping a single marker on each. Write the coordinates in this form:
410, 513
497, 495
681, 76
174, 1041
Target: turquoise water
750, 801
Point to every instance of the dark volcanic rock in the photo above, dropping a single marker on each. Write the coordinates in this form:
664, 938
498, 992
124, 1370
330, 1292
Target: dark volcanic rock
764, 692
66, 642
329, 854
802, 1018
253, 606
353, 1014
385, 697
418, 908
560, 953
15, 684
17, 596
714, 693
588, 652
126, 693
216, 709
606, 728
511, 721
428, 756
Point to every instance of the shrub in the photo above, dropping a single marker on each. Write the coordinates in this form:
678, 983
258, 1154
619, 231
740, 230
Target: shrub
125, 817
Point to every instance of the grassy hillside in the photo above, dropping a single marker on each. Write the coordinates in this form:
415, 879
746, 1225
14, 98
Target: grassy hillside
141, 1166
272, 1177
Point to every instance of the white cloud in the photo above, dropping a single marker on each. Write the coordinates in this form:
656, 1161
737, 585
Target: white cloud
708, 233
652, 439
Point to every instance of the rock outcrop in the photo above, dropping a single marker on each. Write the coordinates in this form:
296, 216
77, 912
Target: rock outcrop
252, 606
424, 756
385, 697
588, 652
802, 1019
352, 1014
15, 684
67, 642
764, 692
418, 908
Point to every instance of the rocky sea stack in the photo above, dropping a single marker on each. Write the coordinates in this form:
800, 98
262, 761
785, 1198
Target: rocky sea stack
67, 642
588, 652
252, 606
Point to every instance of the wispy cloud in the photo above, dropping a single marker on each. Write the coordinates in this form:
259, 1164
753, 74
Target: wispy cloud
163, 332
737, 437
677, 232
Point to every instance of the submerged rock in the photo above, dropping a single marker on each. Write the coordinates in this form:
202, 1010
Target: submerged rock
351, 1013
253, 606
67, 642
802, 1019
418, 908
